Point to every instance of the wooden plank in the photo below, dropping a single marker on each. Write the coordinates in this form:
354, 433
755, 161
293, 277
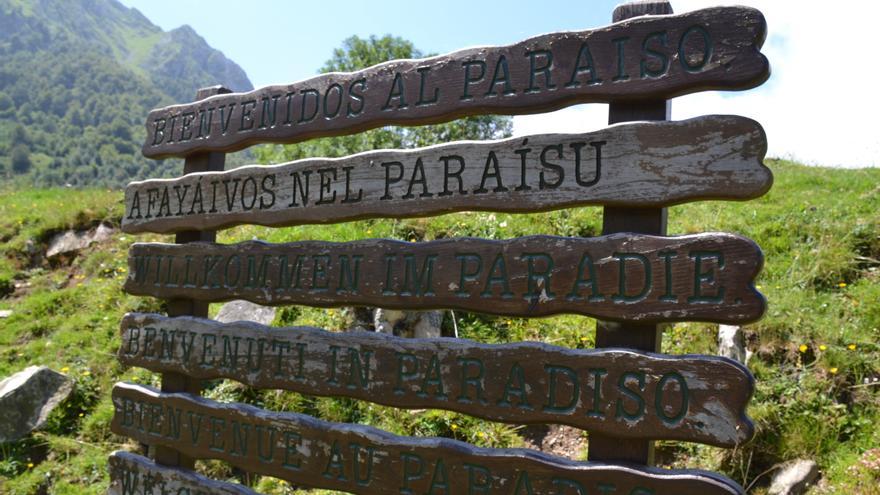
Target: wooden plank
617, 392
633, 335
657, 57
363, 460
644, 164
705, 277
132, 474
173, 382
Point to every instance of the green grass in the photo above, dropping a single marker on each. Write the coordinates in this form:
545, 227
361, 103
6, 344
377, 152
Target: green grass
816, 351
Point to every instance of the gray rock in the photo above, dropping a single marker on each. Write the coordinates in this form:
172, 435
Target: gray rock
418, 324
240, 310
428, 324
27, 398
103, 233
732, 343
73, 241
794, 478
358, 318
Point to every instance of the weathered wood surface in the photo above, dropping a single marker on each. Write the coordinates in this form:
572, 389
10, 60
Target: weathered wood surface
632, 335
131, 474
172, 382
652, 57
644, 164
618, 392
363, 460
704, 277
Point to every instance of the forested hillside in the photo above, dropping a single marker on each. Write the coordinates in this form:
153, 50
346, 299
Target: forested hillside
77, 79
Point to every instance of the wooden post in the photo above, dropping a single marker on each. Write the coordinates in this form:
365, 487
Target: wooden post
177, 382
645, 337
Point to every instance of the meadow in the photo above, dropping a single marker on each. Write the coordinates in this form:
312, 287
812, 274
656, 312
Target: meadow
815, 354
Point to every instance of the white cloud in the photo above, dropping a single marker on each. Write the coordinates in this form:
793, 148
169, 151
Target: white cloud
820, 105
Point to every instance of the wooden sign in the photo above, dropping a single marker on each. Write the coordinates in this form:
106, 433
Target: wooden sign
643, 164
363, 460
654, 57
616, 392
705, 277
131, 474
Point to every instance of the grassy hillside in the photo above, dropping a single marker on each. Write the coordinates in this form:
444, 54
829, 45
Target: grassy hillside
816, 352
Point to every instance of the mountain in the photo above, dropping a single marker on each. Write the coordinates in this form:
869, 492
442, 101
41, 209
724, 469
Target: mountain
77, 79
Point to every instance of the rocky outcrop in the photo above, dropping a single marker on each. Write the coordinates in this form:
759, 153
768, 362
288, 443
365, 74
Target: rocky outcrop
794, 478
27, 398
732, 343
417, 324
240, 310
72, 241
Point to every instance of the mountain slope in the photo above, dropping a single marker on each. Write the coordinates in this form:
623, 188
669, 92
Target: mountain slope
77, 80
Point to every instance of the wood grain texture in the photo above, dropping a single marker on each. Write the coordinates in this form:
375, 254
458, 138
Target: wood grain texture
173, 382
131, 474
651, 220
644, 164
651, 57
363, 460
639, 395
704, 277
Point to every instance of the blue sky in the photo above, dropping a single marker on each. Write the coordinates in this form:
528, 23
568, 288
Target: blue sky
278, 41
818, 106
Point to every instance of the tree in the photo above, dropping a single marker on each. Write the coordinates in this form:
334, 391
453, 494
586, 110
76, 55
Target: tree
21, 159
7, 106
357, 53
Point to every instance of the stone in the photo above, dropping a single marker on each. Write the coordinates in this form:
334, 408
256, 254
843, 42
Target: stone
358, 318
428, 325
5, 313
103, 233
794, 478
27, 398
732, 343
240, 310
417, 324
73, 241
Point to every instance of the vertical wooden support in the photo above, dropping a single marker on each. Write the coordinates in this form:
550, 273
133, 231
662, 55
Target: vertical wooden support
176, 382
645, 337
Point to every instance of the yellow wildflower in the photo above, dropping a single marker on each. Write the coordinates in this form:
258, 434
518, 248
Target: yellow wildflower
86, 373
851, 347
833, 371
841, 284
823, 347
65, 369
30, 465
803, 348
454, 426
